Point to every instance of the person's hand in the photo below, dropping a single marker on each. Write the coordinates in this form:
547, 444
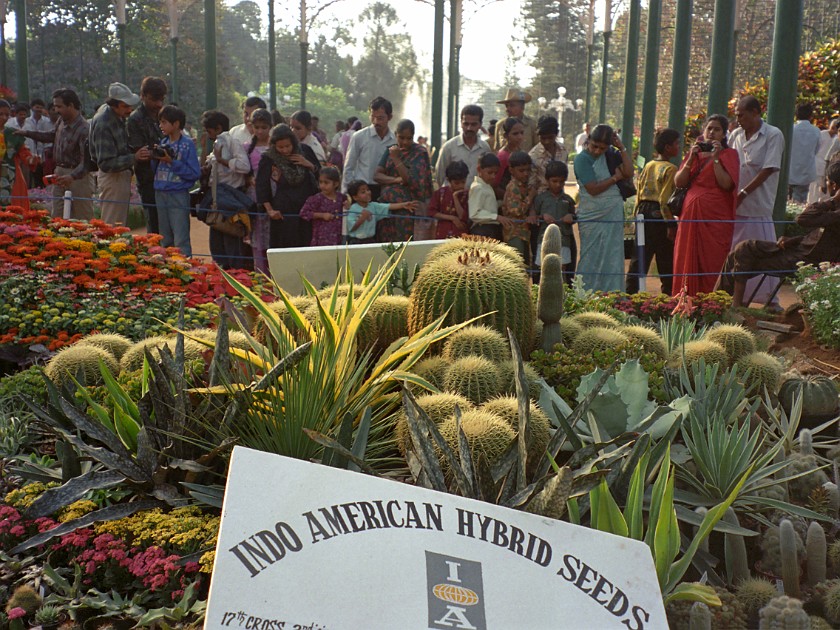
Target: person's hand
365, 215
276, 174
275, 215
782, 242
716, 147
217, 153
19, 132
297, 158
569, 218
347, 203
411, 205
505, 221
532, 219
742, 194
166, 158
671, 233
616, 141
617, 176
695, 149
395, 153
458, 223
547, 218
325, 216
64, 180
143, 154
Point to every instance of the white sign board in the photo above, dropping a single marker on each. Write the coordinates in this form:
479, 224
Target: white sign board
308, 547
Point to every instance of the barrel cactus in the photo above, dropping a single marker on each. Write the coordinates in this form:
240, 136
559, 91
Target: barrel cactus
819, 397
599, 339
475, 378
469, 242
765, 371
754, 593
592, 319
736, 340
538, 430
461, 286
384, 323
117, 345
132, 360
647, 339
487, 434
25, 597
74, 360
261, 329
342, 290
783, 613
570, 330
691, 353
439, 407
236, 339
507, 378
477, 340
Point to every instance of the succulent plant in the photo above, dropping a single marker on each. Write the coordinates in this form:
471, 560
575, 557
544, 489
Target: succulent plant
538, 429
488, 436
113, 343
818, 623
302, 303
236, 338
819, 397
647, 338
735, 550
801, 463
736, 340
550, 305
831, 603
433, 369
700, 617
385, 322
507, 380
599, 338
730, 615
789, 556
477, 340
342, 291
132, 360
469, 242
193, 350
771, 559
552, 242
438, 407
570, 330
47, 615
834, 555
754, 593
471, 284
473, 377
25, 597
815, 554
765, 371
783, 613
75, 359
592, 319
551, 500
691, 352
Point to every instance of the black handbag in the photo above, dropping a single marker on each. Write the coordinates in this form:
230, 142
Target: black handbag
677, 199
625, 186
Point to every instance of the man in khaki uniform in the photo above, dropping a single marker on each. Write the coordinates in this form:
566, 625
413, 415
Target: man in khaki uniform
514, 103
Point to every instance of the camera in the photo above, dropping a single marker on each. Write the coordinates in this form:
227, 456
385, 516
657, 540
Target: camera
705, 147
159, 152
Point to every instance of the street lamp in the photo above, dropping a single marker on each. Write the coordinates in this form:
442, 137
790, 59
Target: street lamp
561, 104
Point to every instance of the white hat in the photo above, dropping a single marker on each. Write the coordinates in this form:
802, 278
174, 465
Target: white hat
121, 92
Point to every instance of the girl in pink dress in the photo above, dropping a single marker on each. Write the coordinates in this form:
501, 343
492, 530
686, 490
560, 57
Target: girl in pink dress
261, 121
325, 209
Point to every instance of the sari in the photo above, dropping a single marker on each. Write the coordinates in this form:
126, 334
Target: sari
393, 229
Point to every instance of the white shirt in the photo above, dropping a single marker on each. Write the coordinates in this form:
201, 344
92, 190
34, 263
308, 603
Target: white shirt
363, 154
763, 150
241, 134
804, 145
580, 141
43, 124
313, 142
833, 149
29, 142
238, 163
483, 206
456, 149
822, 151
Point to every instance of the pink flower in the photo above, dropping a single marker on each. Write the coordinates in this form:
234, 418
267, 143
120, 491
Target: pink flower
16, 613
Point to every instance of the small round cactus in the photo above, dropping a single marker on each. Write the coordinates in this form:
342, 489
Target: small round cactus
113, 343
74, 360
831, 604
384, 323
592, 319
754, 593
765, 371
736, 340
570, 330
647, 338
507, 380
803, 486
438, 407
132, 360
477, 340
25, 597
783, 613
473, 377
693, 351
487, 434
599, 338
538, 429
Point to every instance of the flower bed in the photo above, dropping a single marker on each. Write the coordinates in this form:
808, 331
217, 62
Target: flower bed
63, 279
819, 289
704, 308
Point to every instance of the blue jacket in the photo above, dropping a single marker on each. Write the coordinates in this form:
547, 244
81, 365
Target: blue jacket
184, 170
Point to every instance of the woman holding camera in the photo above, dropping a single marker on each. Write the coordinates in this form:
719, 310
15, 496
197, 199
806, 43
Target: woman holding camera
710, 172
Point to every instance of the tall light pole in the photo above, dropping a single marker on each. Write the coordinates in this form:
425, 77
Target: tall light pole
679, 74
459, 40
21, 51
174, 18
437, 76
4, 80
602, 111
211, 97
590, 53
304, 54
631, 71
272, 59
120, 11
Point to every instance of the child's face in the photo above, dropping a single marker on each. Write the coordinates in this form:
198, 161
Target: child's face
21, 115
213, 132
362, 197
556, 184
300, 131
262, 131
457, 185
5, 112
521, 173
168, 127
327, 185
284, 146
488, 174
516, 135
548, 141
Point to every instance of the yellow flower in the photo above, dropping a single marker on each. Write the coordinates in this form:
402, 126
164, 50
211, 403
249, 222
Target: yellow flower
103, 253
118, 246
128, 258
206, 562
76, 510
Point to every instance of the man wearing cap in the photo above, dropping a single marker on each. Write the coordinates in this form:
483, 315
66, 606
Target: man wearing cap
109, 149
514, 103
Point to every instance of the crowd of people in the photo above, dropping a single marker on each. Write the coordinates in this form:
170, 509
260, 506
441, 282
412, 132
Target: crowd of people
269, 182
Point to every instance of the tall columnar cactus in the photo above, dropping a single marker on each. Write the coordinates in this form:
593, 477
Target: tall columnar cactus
550, 306
477, 340
790, 558
474, 378
552, 242
737, 566
815, 554
784, 613
74, 360
700, 617
736, 340
833, 499
113, 343
461, 286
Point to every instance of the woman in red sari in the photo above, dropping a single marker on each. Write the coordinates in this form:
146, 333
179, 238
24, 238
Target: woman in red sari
704, 238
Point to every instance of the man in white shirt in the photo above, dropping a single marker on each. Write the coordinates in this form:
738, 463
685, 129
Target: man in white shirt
580, 140
760, 148
40, 122
804, 145
243, 132
466, 147
368, 145
817, 190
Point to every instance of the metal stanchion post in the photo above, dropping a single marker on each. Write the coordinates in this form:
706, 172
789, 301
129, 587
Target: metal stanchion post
68, 204
640, 251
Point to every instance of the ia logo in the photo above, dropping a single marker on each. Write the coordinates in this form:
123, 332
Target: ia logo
455, 593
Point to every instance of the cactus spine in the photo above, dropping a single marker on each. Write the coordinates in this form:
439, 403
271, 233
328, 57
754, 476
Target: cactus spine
550, 306
700, 617
815, 553
789, 557
737, 566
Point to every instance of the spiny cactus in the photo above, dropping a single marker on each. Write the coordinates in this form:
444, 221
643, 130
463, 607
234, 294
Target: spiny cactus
783, 613
470, 284
700, 617
803, 486
343, 290
592, 319
538, 429
771, 559
570, 330
236, 338
433, 369
302, 303
385, 322
647, 338
474, 378
599, 338
754, 593
833, 499
132, 360
815, 554
113, 343
818, 623
469, 242
789, 557
477, 340
818, 393
691, 352
552, 242
550, 306
730, 614
438, 407
25, 597
488, 436
831, 603
735, 549
736, 340
765, 371
75, 359
507, 382
193, 351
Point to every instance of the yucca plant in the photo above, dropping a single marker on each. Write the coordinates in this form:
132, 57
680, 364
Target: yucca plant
332, 381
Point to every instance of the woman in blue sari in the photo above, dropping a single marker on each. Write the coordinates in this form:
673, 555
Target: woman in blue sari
601, 210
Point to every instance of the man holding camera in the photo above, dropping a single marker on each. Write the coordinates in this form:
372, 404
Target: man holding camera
143, 131
110, 150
